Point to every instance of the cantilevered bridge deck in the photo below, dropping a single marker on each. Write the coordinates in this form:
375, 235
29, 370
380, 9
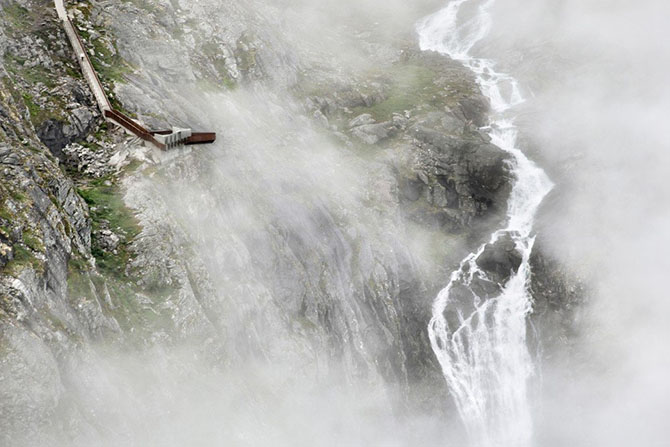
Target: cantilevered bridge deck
165, 139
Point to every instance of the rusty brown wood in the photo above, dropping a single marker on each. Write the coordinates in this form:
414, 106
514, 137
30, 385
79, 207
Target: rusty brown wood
133, 127
101, 97
201, 138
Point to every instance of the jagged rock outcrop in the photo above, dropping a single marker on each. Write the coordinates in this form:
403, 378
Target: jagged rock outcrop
44, 223
56, 134
500, 259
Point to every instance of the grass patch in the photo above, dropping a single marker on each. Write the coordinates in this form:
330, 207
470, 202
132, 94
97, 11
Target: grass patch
410, 86
39, 115
143, 313
6, 215
110, 66
23, 258
33, 75
33, 242
18, 196
108, 211
34, 110
17, 15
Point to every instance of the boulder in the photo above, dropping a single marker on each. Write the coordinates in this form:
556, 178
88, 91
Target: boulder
361, 120
373, 133
475, 109
51, 135
500, 259
107, 240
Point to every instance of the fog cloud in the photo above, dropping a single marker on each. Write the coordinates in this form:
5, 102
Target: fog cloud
598, 122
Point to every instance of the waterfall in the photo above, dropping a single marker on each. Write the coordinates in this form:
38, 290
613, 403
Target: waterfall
478, 327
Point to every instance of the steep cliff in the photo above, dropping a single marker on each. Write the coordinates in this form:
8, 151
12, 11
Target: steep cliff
310, 240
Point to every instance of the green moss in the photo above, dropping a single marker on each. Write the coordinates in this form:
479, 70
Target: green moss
228, 82
246, 58
39, 114
101, 132
56, 323
213, 52
17, 15
410, 86
306, 323
33, 75
33, 108
23, 258
18, 196
107, 200
5, 214
33, 242
78, 264
112, 68
78, 282
145, 313
132, 166
108, 210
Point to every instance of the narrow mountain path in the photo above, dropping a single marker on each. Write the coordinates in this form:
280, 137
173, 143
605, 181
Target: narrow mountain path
84, 61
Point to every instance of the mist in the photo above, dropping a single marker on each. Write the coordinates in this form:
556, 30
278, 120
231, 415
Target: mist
597, 123
304, 290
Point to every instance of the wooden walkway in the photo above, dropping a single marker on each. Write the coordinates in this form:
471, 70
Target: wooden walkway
165, 139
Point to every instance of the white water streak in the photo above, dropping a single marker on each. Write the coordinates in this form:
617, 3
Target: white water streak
484, 357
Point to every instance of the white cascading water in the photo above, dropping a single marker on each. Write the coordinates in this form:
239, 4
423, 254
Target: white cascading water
483, 351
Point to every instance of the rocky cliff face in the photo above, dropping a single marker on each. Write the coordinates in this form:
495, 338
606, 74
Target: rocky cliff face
311, 239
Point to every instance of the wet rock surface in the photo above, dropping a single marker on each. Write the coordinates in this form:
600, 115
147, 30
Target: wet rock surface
500, 259
251, 249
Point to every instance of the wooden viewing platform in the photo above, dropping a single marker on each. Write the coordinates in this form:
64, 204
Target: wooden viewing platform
162, 139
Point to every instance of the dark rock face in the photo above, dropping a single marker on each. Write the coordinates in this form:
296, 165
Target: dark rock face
468, 179
450, 173
475, 110
500, 259
51, 134
56, 134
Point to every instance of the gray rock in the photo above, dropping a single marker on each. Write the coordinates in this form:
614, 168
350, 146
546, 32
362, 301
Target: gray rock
400, 121
108, 240
475, 109
56, 134
51, 134
361, 120
373, 133
321, 118
500, 259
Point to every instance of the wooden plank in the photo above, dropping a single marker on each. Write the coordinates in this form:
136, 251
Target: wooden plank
201, 138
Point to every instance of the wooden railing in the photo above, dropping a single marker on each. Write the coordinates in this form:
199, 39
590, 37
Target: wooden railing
97, 80
98, 90
133, 127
